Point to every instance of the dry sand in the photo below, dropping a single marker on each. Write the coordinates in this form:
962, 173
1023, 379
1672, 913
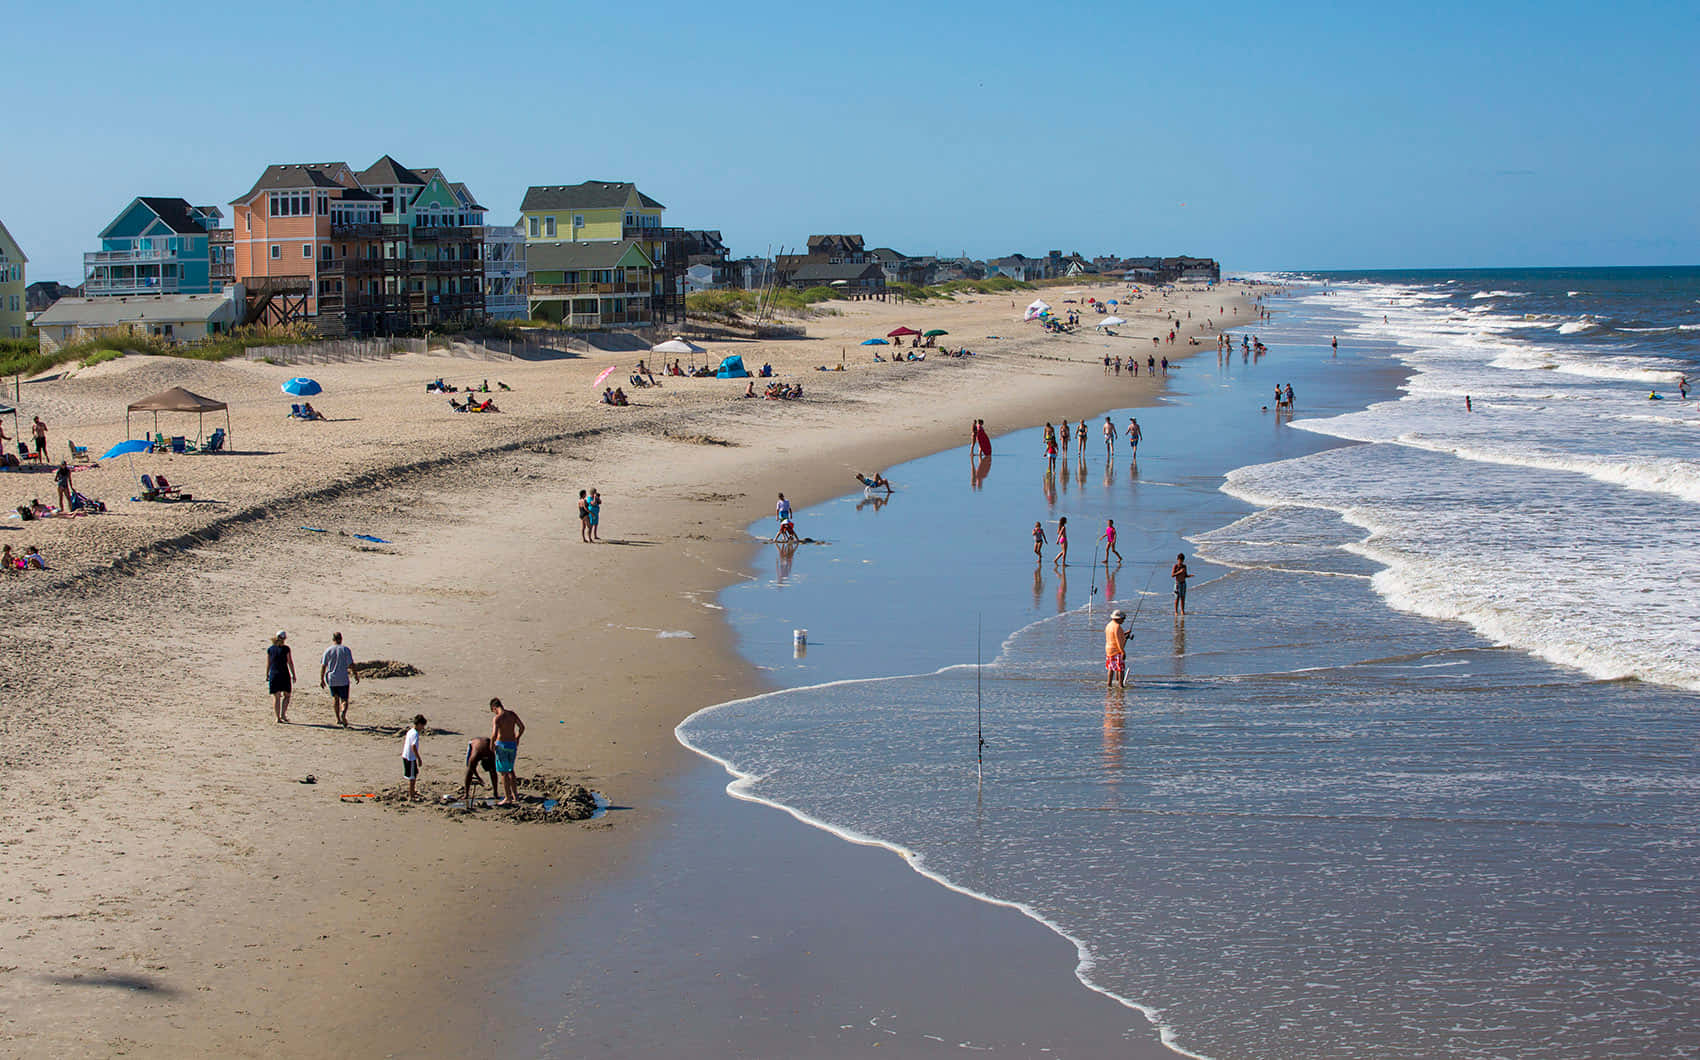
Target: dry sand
172, 885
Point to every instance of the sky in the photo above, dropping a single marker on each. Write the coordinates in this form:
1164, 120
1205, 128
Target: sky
1268, 136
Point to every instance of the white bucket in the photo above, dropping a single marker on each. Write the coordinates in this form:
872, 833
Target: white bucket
799, 638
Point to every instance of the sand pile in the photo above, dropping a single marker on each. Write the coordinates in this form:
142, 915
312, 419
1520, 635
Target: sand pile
544, 797
386, 668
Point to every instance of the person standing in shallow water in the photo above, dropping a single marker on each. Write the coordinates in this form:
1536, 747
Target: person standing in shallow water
1180, 574
280, 675
1116, 635
1039, 541
1061, 558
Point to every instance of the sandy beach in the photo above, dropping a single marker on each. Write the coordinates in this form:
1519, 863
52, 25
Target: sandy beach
172, 883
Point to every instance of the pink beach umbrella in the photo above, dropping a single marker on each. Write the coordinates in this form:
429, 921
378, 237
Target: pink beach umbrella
604, 375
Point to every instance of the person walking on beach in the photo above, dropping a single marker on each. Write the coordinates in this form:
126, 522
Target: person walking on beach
1116, 636
583, 515
410, 756
62, 479
782, 509
39, 429
336, 666
505, 730
1179, 573
1065, 436
280, 675
1050, 445
593, 510
1061, 558
1109, 537
1134, 434
1109, 438
1039, 541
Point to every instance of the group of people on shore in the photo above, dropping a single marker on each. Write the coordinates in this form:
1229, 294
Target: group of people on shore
589, 515
495, 754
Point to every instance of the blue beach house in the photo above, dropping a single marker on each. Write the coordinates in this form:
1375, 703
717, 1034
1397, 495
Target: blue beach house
158, 246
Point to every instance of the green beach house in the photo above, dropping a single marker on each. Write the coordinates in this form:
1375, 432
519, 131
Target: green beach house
597, 255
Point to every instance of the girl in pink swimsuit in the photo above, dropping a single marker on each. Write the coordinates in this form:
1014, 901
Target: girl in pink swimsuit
1062, 542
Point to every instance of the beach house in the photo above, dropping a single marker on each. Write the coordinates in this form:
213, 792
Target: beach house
12, 284
158, 245
171, 318
384, 250
597, 255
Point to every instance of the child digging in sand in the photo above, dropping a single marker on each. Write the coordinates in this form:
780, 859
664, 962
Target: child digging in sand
410, 756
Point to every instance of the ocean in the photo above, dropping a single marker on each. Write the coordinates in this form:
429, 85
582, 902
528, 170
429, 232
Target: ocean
1415, 774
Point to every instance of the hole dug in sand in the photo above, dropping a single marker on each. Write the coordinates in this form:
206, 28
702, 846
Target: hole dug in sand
544, 797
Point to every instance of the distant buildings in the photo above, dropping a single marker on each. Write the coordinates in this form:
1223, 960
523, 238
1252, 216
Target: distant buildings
839, 261
159, 245
12, 283
43, 293
504, 272
597, 255
384, 250
170, 317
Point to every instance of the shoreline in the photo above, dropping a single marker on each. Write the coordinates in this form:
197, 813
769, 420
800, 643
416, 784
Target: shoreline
461, 498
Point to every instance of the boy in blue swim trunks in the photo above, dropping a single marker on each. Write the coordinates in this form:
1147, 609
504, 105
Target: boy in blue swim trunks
505, 730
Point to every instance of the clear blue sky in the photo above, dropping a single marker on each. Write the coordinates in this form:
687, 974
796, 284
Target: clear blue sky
1267, 135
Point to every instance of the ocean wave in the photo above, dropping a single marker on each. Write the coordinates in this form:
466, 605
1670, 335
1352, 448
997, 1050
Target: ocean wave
1499, 294
1576, 327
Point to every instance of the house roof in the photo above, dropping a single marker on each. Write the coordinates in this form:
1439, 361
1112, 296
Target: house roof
293, 175
109, 312
14, 242
568, 257
590, 195
467, 200
888, 254
175, 213
386, 171
829, 273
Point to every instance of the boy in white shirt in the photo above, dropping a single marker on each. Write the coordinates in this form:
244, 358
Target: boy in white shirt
410, 755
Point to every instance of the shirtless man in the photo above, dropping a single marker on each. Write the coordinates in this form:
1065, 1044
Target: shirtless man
505, 730
1109, 437
480, 754
1115, 650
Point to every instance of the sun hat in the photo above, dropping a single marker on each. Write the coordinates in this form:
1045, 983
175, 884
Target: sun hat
281, 635
1118, 615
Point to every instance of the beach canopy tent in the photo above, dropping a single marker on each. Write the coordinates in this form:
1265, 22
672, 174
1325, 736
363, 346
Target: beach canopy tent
179, 400
897, 333
732, 368
1109, 322
677, 346
1038, 308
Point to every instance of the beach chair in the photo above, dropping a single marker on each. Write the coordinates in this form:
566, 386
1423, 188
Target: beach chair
160, 444
179, 444
295, 411
215, 444
78, 452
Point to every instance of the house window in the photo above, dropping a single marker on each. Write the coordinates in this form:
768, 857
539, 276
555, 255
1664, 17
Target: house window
277, 251
326, 252
324, 203
532, 227
291, 204
578, 220
307, 251
631, 220
549, 226
248, 221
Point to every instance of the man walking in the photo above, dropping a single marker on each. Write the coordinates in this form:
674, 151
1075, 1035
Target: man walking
39, 429
336, 666
1116, 635
505, 730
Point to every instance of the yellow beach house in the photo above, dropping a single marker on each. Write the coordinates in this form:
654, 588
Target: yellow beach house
597, 255
12, 283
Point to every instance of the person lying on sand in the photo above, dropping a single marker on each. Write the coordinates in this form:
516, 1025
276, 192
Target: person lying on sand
480, 754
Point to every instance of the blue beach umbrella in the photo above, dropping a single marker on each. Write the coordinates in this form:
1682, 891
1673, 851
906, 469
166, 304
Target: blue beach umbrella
301, 386
876, 342
134, 445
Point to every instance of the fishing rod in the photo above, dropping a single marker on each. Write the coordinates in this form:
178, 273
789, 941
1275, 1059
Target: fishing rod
979, 725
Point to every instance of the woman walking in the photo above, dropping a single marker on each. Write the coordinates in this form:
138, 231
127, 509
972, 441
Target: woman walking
1061, 558
280, 675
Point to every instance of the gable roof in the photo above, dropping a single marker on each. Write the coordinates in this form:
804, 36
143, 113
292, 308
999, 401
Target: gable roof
467, 200
175, 214
830, 273
888, 254
852, 242
569, 257
293, 175
590, 195
14, 242
387, 170
110, 312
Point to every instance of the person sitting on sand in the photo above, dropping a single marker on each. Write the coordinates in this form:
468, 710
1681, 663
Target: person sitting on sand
607, 395
480, 754
750, 389
8, 562
308, 412
502, 386
32, 558
488, 406
620, 397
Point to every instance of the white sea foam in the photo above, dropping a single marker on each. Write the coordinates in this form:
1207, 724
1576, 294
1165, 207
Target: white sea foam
1576, 327
1499, 294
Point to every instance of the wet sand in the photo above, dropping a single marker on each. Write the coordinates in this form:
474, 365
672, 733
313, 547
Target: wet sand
175, 885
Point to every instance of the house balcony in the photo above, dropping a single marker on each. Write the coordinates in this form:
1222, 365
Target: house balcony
220, 273
567, 290
101, 283
446, 267
368, 230
448, 233
657, 235
353, 266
